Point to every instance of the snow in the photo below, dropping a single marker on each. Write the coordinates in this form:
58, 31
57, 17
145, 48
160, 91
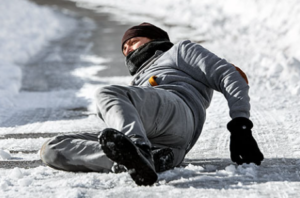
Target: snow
66, 184
23, 33
261, 37
4, 154
27, 144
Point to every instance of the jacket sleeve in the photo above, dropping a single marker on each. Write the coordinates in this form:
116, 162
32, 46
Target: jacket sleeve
216, 73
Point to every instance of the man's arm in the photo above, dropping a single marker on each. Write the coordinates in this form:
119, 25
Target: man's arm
218, 74
224, 77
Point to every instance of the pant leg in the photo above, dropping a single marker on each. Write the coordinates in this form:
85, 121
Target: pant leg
75, 152
155, 116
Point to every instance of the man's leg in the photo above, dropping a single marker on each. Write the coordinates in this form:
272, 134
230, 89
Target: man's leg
75, 152
151, 116
141, 113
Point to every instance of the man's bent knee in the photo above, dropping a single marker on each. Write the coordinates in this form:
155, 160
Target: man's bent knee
109, 90
51, 156
106, 96
48, 155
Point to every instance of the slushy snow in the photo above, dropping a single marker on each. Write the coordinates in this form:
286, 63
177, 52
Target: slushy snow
25, 29
260, 37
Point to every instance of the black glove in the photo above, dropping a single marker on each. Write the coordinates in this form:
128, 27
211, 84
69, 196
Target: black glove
243, 146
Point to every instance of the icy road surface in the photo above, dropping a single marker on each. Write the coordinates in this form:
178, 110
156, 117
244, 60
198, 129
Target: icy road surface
58, 84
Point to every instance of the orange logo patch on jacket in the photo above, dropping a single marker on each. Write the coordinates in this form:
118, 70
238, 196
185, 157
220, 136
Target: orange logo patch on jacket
152, 81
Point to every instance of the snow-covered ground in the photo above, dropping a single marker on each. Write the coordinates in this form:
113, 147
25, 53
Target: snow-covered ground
261, 37
25, 29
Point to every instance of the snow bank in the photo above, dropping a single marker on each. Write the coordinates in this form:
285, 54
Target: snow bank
261, 37
25, 29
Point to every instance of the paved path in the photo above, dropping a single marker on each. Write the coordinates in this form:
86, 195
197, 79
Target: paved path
105, 38
48, 84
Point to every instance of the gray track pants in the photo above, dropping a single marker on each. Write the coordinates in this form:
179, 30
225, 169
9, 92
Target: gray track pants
154, 116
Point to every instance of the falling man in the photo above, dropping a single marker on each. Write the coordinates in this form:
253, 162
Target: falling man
154, 122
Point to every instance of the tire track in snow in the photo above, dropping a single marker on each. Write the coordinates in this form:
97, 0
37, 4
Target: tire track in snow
214, 140
217, 115
21, 164
26, 121
33, 120
269, 131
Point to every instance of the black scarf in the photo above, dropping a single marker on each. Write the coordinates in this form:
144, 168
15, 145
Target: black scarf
135, 59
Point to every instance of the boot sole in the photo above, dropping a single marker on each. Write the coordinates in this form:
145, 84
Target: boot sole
122, 150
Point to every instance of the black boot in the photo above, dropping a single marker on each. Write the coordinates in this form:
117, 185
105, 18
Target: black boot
163, 159
137, 159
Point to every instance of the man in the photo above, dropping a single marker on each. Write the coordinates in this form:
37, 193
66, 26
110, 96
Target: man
153, 123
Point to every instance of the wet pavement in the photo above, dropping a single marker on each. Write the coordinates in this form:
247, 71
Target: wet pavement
105, 38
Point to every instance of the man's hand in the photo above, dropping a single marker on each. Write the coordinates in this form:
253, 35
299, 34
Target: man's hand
243, 146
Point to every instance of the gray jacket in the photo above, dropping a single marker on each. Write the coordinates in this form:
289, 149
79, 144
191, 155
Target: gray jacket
192, 72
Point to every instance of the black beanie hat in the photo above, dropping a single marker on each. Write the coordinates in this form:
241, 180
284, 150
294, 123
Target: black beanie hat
145, 30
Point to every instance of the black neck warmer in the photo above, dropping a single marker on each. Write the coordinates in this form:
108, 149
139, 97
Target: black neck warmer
136, 58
